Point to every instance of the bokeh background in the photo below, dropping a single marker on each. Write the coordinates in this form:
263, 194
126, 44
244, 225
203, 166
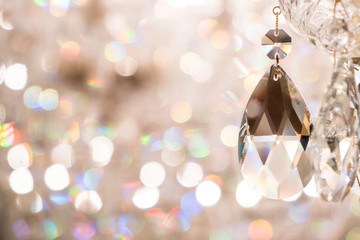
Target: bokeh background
120, 121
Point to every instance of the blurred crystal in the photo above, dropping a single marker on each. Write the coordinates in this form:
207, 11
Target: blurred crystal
330, 25
276, 44
273, 138
335, 35
335, 145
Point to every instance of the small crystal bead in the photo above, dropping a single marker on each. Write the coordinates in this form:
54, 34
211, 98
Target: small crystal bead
276, 44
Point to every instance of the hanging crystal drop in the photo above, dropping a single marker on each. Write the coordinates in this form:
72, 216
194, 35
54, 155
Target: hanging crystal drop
273, 137
335, 144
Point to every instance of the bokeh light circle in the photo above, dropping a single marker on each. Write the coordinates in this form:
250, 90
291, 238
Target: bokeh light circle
57, 177
152, 174
190, 174
16, 76
229, 135
19, 156
246, 196
208, 193
21, 181
145, 197
101, 150
88, 202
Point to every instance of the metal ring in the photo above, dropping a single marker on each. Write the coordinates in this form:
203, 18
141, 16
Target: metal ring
277, 10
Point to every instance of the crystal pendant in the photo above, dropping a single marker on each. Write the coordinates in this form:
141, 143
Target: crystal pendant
273, 137
335, 145
276, 44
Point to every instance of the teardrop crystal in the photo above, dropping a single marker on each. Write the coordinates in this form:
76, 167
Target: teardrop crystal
335, 144
273, 137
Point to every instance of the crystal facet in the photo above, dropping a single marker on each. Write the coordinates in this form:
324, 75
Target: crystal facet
273, 137
335, 145
279, 44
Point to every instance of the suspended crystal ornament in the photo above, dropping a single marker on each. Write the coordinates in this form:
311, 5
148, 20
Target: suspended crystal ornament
335, 144
276, 44
274, 134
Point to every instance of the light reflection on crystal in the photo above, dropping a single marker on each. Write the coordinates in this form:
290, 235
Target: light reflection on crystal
273, 139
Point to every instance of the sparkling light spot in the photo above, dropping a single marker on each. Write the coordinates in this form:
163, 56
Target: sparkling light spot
220, 39
49, 99
62, 154
246, 196
191, 63
115, 51
173, 158
41, 3
208, 193
181, 112
174, 138
126, 67
69, 50
260, 229
20, 156
101, 150
50, 229
31, 97
21, 229
94, 83
88, 201
92, 178
145, 197
85, 231
60, 198
58, 8
199, 146
21, 181
57, 177
229, 135
189, 205
152, 174
37, 204
6, 135
16, 76
190, 174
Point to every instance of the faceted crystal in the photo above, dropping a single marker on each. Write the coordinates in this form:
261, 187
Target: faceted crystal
335, 145
273, 137
279, 44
